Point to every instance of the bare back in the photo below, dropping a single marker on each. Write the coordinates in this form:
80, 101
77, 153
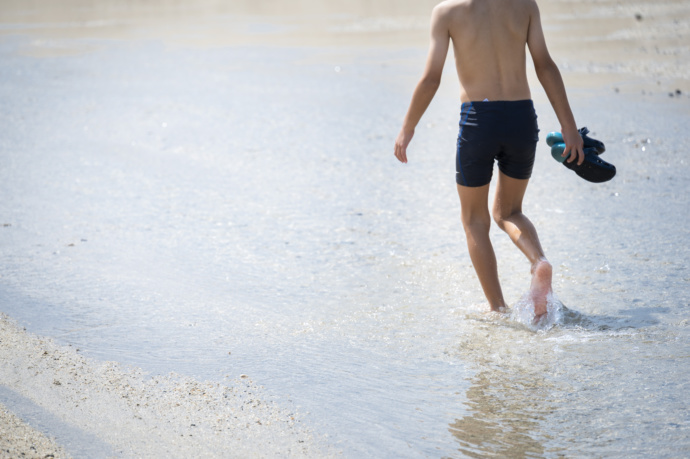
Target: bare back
489, 38
490, 41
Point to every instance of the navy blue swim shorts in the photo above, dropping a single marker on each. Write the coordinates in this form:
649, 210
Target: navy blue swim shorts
505, 131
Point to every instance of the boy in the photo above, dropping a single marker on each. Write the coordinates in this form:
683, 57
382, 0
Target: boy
497, 122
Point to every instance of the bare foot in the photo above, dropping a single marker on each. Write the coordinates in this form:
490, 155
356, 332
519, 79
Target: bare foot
500, 310
541, 287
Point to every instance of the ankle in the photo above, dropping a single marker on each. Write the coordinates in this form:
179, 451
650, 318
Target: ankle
501, 309
541, 263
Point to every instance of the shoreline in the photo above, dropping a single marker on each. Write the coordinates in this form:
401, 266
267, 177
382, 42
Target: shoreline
103, 409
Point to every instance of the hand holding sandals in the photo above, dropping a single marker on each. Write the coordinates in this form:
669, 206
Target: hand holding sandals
590, 167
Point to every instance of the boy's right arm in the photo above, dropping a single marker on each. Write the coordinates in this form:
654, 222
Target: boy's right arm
427, 86
550, 79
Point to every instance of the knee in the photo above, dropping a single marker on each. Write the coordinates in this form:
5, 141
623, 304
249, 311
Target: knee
477, 223
501, 216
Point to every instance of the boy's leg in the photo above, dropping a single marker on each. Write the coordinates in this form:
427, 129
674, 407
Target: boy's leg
476, 220
507, 212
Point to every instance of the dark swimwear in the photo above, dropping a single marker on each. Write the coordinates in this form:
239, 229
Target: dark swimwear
506, 131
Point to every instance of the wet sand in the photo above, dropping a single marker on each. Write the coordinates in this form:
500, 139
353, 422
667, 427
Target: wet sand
628, 44
18, 439
632, 48
100, 409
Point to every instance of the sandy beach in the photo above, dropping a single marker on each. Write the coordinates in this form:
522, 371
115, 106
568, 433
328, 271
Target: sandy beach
164, 292
19, 439
104, 410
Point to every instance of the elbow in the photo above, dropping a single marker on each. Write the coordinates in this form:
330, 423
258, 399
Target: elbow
431, 82
546, 67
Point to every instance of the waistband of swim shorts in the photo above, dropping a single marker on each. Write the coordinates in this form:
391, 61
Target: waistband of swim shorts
499, 104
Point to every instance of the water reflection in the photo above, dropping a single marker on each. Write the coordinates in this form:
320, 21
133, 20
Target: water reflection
524, 379
505, 418
511, 394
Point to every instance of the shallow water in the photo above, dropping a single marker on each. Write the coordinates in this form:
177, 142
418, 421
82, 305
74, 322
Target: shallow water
239, 211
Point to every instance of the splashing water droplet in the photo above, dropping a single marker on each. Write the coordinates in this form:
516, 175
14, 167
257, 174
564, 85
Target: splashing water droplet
523, 313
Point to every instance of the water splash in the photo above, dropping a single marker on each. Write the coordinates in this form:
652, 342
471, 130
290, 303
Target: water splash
523, 313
